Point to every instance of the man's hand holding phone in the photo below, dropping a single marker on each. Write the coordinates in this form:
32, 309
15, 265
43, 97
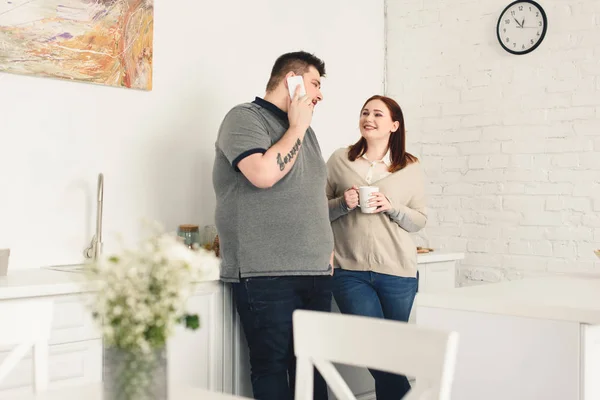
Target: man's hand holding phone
300, 110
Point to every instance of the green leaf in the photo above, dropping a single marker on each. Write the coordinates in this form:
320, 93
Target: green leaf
192, 321
156, 336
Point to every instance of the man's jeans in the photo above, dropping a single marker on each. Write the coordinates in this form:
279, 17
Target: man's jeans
381, 296
265, 306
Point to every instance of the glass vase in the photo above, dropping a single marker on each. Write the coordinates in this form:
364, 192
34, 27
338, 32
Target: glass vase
135, 375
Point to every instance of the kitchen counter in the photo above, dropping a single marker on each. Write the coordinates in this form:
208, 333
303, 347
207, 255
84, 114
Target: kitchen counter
439, 256
220, 342
76, 343
38, 282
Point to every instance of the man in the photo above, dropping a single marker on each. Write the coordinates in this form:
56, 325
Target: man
273, 221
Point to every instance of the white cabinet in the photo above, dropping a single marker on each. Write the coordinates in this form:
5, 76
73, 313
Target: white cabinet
437, 276
69, 364
72, 320
434, 276
195, 358
75, 351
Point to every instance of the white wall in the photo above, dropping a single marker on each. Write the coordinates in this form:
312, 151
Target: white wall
511, 143
156, 148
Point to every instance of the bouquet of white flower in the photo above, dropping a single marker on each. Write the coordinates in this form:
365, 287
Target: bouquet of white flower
139, 296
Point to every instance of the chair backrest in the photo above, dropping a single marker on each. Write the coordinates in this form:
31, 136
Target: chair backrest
26, 324
322, 338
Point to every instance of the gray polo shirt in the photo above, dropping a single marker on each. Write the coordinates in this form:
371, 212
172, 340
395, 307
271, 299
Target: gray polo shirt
283, 230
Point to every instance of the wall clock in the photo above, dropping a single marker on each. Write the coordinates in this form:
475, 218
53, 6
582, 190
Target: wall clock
522, 27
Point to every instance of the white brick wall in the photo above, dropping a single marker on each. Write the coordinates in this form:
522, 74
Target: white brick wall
511, 144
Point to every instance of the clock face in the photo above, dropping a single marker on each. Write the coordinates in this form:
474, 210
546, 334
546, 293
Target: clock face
522, 26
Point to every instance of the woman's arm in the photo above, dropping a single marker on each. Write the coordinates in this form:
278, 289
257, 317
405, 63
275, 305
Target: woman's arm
337, 205
412, 217
409, 219
337, 208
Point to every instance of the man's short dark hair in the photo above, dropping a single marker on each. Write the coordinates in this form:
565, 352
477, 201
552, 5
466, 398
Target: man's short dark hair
298, 62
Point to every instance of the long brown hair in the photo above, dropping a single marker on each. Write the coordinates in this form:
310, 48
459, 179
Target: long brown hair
397, 144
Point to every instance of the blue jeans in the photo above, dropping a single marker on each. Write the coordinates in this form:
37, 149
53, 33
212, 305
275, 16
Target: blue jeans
381, 296
265, 306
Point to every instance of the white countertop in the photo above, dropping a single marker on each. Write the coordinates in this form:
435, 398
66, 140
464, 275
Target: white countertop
438, 256
38, 282
561, 297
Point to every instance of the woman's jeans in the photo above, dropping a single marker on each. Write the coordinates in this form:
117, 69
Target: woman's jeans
381, 296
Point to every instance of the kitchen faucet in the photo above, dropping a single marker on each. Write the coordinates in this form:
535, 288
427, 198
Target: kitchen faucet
95, 248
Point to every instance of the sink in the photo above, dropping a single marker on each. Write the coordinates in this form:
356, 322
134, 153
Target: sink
67, 268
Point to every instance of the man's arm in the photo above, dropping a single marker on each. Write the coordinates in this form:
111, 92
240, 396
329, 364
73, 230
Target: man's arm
265, 170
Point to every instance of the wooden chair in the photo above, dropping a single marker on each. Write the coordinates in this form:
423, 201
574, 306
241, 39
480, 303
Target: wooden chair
321, 339
26, 324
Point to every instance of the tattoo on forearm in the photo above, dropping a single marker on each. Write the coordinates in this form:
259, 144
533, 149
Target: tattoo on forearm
289, 156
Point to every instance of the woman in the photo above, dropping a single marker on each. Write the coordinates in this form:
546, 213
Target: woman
375, 257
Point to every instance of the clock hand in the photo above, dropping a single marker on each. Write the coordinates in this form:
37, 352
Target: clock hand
522, 22
519, 25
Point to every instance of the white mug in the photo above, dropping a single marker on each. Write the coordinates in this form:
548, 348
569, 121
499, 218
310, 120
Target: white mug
364, 195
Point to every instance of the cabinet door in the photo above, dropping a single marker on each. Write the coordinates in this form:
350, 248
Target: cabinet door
72, 321
69, 364
437, 276
196, 357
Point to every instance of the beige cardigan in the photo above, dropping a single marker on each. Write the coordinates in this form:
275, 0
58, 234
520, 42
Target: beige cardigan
376, 242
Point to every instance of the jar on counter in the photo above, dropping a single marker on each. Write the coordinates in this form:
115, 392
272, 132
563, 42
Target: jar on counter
190, 234
207, 235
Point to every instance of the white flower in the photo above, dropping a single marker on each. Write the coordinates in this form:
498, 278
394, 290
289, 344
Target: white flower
142, 291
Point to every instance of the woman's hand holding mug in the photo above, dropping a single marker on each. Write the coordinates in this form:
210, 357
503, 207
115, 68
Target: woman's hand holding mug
351, 197
379, 200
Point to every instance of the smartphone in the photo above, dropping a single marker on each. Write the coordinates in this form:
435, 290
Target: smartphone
293, 82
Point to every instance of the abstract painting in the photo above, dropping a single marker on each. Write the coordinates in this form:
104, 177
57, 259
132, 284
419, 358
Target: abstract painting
107, 42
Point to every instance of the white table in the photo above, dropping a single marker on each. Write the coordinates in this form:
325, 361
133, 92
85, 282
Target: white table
94, 392
536, 338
